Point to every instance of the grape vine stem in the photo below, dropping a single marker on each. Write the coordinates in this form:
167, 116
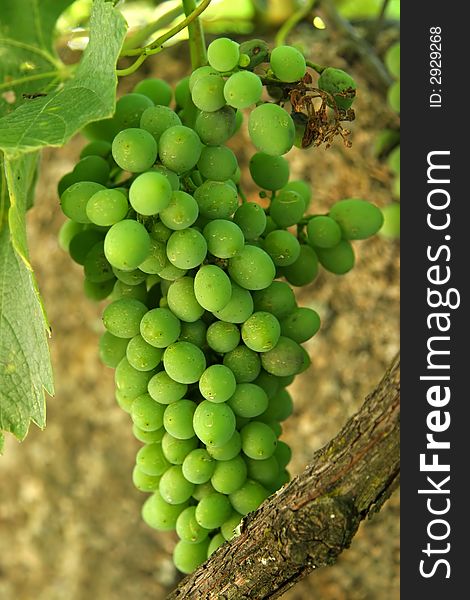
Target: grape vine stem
311, 520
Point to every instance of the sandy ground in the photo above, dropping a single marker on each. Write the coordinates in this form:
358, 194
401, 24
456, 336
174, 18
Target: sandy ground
70, 527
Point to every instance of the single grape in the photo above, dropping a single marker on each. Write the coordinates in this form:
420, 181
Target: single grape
146, 413
244, 363
340, 85
224, 238
217, 383
186, 248
92, 168
182, 300
392, 60
286, 358
107, 207
159, 514
283, 454
238, 308
130, 383
172, 177
249, 497
264, 471
67, 232
159, 327
122, 317
123, 290
216, 199
213, 423
75, 199
198, 466
156, 89
391, 227
213, 510
339, 259
251, 219
150, 193
323, 231
228, 528
216, 128
217, 163
288, 64
223, 337
269, 383
223, 54
279, 409
127, 244
302, 188
261, 331
304, 269
357, 219
112, 349
228, 450
194, 332
97, 148
151, 461
148, 437
134, 150
141, 355
252, 268
216, 541
199, 73
156, 259
269, 172
229, 475
97, 268
287, 208
174, 488
208, 93
184, 362
188, 556
249, 400
243, 89
98, 291
181, 212
282, 247
133, 277
188, 529
144, 482
178, 419
393, 96
179, 148
212, 288
271, 129
258, 440
301, 324
129, 109
176, 450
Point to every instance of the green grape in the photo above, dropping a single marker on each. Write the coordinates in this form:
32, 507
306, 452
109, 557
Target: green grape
258, 440
188, 556
188, 529
100, 130
212, 288
393, 96
181, 212
112, 349
67, 232
286, 358
195, 333
150, 193
182, 300
357, 219
229, 475
282, 247
228, 450
122, 317
269, 383
269, 172
217, 383
283, 478
170, 272
75, 198
144, 482
176, 450
228, 528
257, 50
216, 541
127, 244
264, 471
157, 90
213, 423
340, 85
394, 161
130, 383
391, 227
223, 54
141, 355
198, 466
323, 232
173, 486
249, 400
216, 199
178, 419
243, 89
224, 238
275, 426
244, 363
156, 259
239, 307
97, 148
199, 74
146, 413
288, 64
151, 461
287, 208
306, 361
92, 168
301, 324
65, 182
170, 175
203, 490
186, 249
223, 337
213, 510
304, 269
124, 401
184, 362
252, 268
133, 277
134, 150
160, 515
98, 291
249, 497
97, 268
392, 60
282, 454
129, 109
278, 299
208, 93
179, 148
217, 163
159, 327
338, 260
182, 92
302, 188
270, 225
216, 128
280, 407
148, 437
271, 129
261, 331
251, 219
107, 207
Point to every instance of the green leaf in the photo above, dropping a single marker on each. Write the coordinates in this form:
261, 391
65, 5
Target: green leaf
88, 96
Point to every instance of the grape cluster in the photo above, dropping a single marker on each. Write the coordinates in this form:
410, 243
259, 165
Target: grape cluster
203, 328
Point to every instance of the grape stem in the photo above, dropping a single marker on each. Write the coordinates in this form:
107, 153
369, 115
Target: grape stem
197, 44
292, 22
157, 46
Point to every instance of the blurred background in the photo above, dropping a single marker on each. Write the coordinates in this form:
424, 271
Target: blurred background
70, 526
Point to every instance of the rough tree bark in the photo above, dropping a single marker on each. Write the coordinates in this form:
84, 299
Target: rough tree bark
310, 521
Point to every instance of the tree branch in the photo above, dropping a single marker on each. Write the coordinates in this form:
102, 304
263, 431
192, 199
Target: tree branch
310, 521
